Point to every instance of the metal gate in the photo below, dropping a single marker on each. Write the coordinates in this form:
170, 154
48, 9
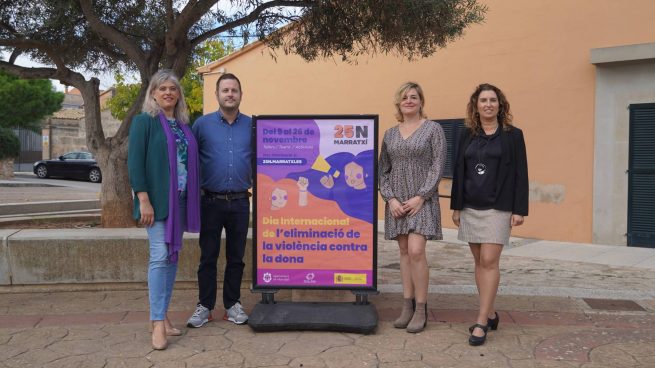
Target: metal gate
641, 176
30, 149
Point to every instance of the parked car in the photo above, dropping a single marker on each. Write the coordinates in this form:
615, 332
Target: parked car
79, 165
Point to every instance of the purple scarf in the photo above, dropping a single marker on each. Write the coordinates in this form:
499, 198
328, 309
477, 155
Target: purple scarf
173, 229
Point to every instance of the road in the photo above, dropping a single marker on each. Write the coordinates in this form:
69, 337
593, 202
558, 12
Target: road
42, 190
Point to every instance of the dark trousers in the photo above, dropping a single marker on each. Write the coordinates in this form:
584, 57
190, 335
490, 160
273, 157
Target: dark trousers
216, 214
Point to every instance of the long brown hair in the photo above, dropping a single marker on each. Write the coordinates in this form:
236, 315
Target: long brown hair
472, 121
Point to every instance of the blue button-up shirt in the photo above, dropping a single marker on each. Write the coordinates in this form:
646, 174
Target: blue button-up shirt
225, 152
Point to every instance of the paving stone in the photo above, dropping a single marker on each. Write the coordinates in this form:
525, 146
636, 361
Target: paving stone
37, 338
612, 356
77, 361
543, 364
266, 360
398, 356
437, 359
7, 351
386, 337
349, 356
622, 321
312, 343
476, 356
205, 343
128, 363
546, 318
576, 346
34, 358
80, 347
126, 347
509, 345
412, 364
85, 333
308, 362
215, 358
80, 319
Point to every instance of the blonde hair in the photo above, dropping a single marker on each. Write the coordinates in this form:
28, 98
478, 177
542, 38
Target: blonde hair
400, 93
151, 106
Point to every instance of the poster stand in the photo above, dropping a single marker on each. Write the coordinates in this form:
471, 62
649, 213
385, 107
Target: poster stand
356, 317
315, 223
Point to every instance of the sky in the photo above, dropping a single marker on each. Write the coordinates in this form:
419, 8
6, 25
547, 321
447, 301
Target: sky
106, 80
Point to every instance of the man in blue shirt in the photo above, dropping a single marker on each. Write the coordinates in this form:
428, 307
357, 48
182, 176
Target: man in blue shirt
224, 143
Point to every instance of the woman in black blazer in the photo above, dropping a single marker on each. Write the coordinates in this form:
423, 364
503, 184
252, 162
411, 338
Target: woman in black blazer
489, 193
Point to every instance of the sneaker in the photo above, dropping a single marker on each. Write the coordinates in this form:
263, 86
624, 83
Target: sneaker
201, 316
236, 314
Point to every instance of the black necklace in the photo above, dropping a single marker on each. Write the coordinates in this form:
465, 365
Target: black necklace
480, 167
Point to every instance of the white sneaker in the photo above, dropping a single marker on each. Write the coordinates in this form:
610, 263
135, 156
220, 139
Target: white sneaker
201, 316
236, 314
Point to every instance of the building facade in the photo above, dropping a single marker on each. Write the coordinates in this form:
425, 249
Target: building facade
580, 76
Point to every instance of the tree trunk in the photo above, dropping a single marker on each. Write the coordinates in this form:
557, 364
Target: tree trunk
116, 194
111, 154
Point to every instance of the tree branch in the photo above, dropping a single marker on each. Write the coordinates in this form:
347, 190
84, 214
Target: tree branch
113, 35
25, 44
251, 17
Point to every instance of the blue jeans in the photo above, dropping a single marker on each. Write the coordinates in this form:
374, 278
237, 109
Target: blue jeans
216, 214
161, 272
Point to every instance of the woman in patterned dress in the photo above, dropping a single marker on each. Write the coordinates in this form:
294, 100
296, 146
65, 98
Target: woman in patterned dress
411, 164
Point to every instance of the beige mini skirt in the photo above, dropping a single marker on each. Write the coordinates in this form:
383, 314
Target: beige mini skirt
484, 226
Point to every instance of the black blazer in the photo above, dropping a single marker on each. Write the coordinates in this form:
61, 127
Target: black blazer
512, 180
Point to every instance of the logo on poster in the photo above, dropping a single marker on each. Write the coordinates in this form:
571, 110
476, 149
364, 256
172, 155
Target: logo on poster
351, 134
309, 278
267, 277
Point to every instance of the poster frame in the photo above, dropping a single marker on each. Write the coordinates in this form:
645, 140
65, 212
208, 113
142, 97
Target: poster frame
258, 287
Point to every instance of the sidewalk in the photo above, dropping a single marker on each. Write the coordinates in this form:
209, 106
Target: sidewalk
545, 321
560, 305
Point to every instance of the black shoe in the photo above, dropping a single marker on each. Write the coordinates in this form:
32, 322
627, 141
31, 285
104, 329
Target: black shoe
478, 340
493, 323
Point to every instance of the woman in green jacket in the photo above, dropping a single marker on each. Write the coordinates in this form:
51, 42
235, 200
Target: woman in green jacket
163, 169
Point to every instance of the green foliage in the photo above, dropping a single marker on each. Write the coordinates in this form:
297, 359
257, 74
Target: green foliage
9, 144
206, 53
127, 93
25, 102
124, 96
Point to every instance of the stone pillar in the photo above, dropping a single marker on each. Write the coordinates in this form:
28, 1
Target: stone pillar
7, 168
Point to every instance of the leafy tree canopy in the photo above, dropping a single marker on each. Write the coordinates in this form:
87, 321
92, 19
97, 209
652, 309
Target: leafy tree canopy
71, 36
126, 94
26, 102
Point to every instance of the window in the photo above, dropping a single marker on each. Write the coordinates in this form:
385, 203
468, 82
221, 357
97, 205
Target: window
70, 156
451, 128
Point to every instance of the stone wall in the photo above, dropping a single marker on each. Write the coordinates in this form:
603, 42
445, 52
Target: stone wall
67, 132
7, 168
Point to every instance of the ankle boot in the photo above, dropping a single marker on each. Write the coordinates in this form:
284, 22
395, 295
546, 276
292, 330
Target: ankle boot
406, 314
420, 318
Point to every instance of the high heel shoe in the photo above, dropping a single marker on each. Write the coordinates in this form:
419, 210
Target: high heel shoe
478, 340
493, 323
159, 341
170, 330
